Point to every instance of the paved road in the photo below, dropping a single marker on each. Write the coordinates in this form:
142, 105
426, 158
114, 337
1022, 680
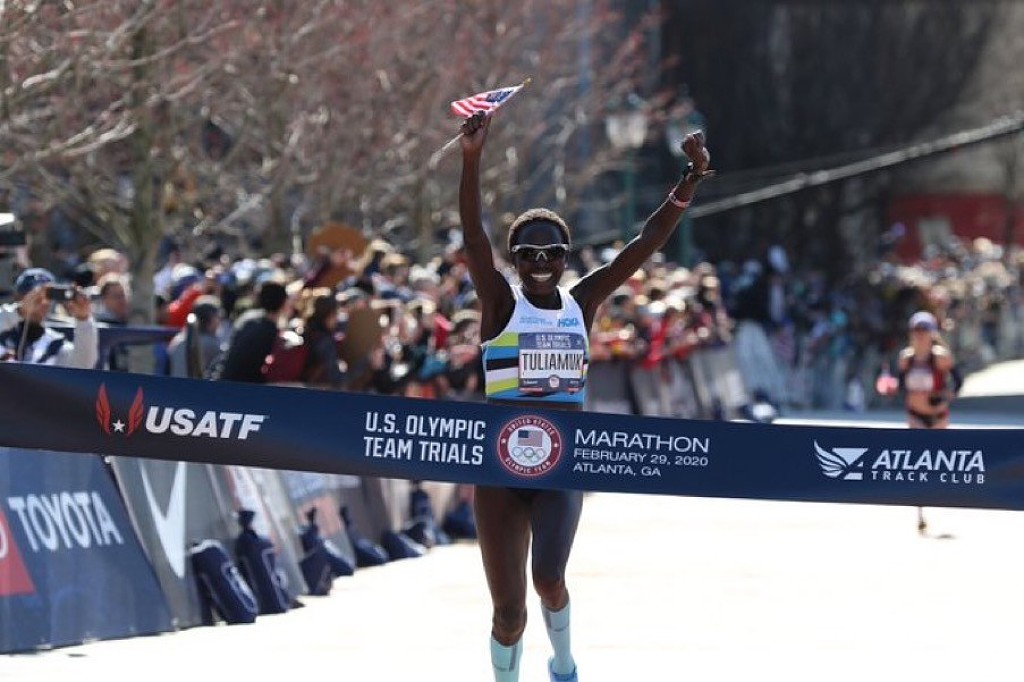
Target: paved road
1001, 379
664, 589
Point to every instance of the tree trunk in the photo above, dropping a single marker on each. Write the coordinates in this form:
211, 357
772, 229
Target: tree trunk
144, 219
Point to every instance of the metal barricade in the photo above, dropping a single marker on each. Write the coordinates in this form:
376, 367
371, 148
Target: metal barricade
650, 390
708, 385
720, 374
608, 387
682, 390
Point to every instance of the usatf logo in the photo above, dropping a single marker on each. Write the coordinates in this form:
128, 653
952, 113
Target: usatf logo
529, 446
176, 421
957, 467
842, 463
138, 408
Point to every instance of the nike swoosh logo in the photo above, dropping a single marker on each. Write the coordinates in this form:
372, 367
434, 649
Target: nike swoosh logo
170, 527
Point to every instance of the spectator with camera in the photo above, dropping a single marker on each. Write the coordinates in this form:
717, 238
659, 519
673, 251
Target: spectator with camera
24, 336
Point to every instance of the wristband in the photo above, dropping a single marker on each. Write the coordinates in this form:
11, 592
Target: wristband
676, 202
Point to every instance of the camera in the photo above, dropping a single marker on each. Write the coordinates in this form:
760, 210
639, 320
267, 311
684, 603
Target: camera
60, 293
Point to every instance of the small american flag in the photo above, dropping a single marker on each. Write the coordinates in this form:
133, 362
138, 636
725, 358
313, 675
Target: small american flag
484, 101
531, 437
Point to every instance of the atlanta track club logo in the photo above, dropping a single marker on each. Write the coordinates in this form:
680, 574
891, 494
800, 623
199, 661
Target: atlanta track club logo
842, 463
135, 414
529, 446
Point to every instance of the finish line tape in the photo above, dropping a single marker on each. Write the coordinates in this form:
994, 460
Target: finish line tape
110, 413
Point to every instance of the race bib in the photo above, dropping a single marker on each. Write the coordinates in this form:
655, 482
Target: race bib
551, 362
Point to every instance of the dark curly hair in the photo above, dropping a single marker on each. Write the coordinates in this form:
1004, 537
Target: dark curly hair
537, 215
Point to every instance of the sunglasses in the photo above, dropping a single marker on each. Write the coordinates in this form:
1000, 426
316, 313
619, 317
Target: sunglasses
534, 253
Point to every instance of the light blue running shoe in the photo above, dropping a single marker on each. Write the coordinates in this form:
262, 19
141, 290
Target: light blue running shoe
555, 677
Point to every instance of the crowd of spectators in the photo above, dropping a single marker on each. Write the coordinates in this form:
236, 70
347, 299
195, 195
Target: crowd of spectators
394, 326
391, 325
829, 339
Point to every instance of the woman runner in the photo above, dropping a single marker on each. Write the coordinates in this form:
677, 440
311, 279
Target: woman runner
927, 375
507, 518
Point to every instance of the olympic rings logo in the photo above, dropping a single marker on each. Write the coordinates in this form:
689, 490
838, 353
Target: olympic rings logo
528, 454
529, 446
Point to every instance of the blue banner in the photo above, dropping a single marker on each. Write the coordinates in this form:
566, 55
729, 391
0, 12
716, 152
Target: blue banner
113, 335
71, 568
370, 435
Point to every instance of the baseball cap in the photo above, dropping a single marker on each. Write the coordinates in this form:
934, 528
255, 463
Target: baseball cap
923, 320
32, 278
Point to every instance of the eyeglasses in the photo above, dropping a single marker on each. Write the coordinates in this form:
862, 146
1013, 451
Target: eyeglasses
534, 253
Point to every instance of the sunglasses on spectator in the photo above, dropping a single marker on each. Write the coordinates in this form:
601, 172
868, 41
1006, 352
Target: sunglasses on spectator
535, 253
